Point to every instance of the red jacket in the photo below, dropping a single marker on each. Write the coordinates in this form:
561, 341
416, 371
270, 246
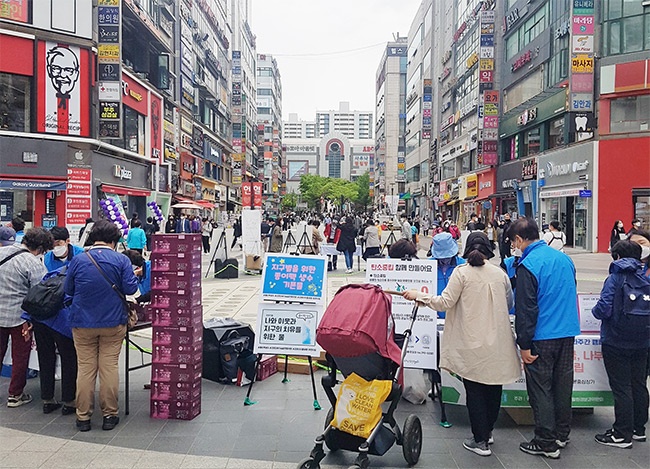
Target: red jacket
328, 231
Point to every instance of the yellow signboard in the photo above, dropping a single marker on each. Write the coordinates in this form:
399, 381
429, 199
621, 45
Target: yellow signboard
472, 60
108, 53
487, 64
582, 63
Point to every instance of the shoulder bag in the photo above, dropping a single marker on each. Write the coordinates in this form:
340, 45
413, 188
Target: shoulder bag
132, 314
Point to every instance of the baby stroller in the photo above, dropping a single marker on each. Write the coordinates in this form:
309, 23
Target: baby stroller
357, 333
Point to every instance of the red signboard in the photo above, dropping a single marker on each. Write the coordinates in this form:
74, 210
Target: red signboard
134, 95
75, 188
257, 195
486, 76
14, 10
77, 218
79, 174
78, 203
155, 116
246, 194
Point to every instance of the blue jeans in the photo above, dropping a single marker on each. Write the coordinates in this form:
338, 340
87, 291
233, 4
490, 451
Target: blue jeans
349, 259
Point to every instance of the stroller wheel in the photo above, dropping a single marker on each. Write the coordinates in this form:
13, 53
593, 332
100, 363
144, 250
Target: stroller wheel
412, 439
308, 463
328, 439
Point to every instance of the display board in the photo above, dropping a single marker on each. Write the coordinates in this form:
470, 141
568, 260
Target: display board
287, 329
287, 277
588, 323
401, 275
590, 383
251, 238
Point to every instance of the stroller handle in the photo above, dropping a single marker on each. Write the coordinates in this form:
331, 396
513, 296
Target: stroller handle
407, 333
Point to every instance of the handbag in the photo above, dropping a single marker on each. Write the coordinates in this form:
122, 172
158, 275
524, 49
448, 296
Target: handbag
131, 311
45, 299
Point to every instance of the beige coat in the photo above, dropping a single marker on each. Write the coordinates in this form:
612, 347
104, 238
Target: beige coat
478, 342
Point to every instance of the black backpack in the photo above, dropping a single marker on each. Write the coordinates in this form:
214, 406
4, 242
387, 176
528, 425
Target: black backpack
636, 305
45, 299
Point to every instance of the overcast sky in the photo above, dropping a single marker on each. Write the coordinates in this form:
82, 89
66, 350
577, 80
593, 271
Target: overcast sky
314, 43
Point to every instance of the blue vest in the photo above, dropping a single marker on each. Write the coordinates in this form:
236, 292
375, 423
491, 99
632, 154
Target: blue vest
557, 296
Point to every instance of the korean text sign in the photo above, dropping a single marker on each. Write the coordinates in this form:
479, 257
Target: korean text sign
401, 275
294, 278
288, 329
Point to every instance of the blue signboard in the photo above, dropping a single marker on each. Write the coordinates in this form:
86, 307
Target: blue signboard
294, 278
585, 194
487, 40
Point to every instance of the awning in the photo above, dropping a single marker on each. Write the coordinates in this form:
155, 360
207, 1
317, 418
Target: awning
205, 204
121, 190
33, 185
452, 201
567, 191
503, 195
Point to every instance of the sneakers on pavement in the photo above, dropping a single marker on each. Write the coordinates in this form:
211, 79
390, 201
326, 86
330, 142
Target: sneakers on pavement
611, 438
349, 271
110, 422
638, 435
481, 448
491, 439
563, 443
17, 401
533, 447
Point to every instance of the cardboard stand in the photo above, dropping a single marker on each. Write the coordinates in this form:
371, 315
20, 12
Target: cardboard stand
293, 289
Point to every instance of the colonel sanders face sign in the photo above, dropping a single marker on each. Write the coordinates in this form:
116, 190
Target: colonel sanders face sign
63, 69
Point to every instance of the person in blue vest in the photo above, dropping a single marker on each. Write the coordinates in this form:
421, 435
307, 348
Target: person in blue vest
136, 239
444, 249
63, 251
142, 270
546, 323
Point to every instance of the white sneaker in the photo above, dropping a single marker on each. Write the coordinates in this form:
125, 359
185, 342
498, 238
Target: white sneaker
349, 271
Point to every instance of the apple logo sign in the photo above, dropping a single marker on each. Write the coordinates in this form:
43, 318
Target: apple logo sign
79, 155
581, 123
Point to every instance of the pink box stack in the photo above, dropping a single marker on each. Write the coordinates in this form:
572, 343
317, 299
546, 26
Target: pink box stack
177, 321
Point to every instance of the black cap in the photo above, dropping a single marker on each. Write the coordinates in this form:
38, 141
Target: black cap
478, 241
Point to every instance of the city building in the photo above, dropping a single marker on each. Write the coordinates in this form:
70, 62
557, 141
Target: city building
414, 158
244, 94
352, 124
269, 130
389, 177
298, 128
622, 191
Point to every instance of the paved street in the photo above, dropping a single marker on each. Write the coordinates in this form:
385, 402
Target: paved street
278, 430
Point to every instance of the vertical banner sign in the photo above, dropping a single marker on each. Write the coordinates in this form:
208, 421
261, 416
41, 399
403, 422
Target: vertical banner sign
426, 108
246, 195
109, 68
581, 83
488, 109
63, 89
239, 147
257, 195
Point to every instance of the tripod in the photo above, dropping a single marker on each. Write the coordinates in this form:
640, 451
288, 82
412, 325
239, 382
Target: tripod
306, 244
220, 242
389, 242
289, 242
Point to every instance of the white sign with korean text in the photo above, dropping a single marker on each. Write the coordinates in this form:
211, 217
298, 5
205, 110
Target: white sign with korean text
288, 329
401, 275
588, 323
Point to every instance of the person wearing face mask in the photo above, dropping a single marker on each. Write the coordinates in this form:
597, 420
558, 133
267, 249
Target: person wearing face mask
546, 323
642, 238
63, 250
96, 281
55, 334
170, 226
625, 339
618, 233
636, 226
20, 269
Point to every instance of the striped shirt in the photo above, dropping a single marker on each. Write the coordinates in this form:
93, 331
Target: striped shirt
16, 277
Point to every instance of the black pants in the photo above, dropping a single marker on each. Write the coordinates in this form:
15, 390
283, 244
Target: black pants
483, 404
549, 381
47, 342
234, 241
370, 252
626, 370
206, 244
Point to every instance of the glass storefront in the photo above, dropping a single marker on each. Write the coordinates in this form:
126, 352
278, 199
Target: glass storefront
571, 212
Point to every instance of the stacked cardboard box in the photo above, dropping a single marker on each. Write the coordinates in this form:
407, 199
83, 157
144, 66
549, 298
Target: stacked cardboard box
177, 321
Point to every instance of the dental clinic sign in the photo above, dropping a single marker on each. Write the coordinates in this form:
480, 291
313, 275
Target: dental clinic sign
553, 170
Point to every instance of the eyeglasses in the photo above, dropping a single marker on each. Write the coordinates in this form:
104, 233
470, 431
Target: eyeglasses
58, 70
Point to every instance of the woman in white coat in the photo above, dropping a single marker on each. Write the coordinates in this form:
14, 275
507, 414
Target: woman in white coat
478, 343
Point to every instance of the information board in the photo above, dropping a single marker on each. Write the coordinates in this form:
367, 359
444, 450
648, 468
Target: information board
287, 329
588, 323
251, 234
401, 275
294, 278
590, 382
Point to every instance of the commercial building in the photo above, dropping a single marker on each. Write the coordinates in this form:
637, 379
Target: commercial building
390, 124
352, 124
269, 130
298, 128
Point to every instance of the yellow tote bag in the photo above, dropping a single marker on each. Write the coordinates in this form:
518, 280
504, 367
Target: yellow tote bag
358, 407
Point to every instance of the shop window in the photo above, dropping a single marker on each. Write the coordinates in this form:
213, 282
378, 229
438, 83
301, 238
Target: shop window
448, 170
133, 132
466, 164
531, 142
556, 133
628, 33
631, 114
14, 102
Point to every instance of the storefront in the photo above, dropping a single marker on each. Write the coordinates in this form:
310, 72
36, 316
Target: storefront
467, 193
33, 176
504, 199
566, 180
126, 179
484, 207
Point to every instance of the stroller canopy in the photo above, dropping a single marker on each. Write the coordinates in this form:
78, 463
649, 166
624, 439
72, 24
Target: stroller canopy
359, 322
